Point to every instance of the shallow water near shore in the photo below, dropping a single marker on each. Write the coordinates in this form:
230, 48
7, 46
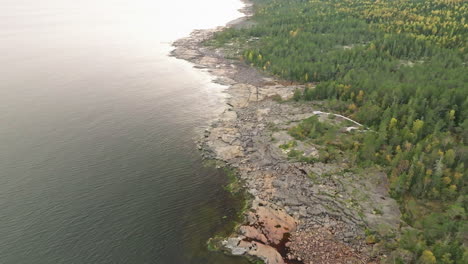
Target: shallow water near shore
97, 123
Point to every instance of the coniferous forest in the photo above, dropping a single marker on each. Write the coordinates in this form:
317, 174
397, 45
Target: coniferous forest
400, 68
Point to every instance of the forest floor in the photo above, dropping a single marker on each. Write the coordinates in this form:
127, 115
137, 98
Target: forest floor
301, 212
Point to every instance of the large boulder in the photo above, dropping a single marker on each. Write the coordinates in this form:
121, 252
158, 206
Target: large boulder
266, 253
253, 233
271, 220
229, 152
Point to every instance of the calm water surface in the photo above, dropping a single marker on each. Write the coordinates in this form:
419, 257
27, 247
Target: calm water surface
97, 124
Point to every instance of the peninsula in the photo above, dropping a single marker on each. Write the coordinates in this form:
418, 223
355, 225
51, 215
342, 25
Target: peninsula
346, 124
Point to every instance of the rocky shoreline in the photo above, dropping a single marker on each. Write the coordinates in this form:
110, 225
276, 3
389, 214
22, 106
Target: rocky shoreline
300, 212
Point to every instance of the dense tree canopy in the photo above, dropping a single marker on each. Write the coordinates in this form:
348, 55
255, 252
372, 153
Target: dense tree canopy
399, 67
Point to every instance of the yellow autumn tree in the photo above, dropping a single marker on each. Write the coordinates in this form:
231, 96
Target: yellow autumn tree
427, 257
